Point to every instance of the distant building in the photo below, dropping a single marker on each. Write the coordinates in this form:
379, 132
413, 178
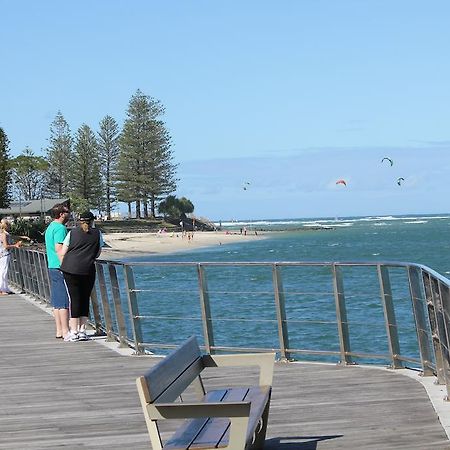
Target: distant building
30, 209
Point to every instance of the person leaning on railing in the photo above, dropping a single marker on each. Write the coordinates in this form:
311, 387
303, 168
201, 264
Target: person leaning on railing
6, 244
81, 247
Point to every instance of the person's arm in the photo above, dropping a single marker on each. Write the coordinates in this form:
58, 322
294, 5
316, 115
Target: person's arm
61, 248
5, 244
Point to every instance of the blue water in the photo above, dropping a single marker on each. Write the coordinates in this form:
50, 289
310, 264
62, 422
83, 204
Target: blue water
242, 299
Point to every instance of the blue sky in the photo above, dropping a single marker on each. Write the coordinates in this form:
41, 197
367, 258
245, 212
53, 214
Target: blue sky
289, 96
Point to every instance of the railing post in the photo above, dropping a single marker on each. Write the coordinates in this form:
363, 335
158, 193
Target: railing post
38, 277
122, 329
432, 316
389, 316
19, 271
98, 323
283, 334
134, 309
422, 326
13, 270
105, 302
43, 274
442, 332
341, 315
208, 333
444, 291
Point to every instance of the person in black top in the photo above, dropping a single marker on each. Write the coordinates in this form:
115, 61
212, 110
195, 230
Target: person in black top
80, 249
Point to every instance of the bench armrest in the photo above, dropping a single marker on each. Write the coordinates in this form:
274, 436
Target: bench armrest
265, 362
189, 410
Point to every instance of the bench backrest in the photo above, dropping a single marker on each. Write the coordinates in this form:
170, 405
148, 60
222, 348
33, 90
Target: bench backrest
168, 379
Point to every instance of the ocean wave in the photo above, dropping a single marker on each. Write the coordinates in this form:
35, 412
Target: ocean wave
317, 222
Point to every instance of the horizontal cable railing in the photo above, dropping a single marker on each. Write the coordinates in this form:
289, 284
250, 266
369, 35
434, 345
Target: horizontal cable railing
393, 313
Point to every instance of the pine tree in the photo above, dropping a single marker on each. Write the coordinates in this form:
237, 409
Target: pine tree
108, 148
86, 183
29, 174
161, 173
145, 169
5, 180
59, 156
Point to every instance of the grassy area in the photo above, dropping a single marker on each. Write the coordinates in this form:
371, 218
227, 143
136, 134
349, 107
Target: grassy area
134, 226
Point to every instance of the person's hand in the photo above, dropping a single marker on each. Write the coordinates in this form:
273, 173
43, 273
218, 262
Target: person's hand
18, 244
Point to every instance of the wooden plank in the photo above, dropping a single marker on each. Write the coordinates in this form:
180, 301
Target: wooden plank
216, 427
258, 396
186, 434
48, 402
159, 378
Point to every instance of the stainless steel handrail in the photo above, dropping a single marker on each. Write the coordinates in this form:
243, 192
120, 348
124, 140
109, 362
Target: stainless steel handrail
119, 304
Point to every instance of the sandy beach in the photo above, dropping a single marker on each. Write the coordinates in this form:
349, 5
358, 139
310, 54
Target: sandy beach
123, 245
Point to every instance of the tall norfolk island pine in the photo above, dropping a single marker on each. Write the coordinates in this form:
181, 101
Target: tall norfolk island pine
86, 183
4, 171
59, 157
108, 150
145, 170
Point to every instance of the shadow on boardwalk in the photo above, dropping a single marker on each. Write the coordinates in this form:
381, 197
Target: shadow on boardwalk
57, 395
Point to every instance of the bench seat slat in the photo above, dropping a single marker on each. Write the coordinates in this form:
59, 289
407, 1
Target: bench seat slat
258, 396
184, 436
216, 427
214, 432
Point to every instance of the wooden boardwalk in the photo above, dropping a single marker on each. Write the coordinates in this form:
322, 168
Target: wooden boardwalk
56, 395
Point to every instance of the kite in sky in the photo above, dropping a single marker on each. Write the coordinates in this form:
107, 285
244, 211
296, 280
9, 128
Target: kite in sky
341, 182
388, 159
399, 181
245, 185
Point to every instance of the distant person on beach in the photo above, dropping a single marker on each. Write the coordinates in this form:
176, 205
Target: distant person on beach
6, 244
54, 238
81, 247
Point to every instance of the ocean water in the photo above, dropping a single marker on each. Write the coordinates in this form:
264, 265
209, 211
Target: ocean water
242, 298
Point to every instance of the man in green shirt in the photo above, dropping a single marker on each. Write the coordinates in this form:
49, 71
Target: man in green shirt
54, 237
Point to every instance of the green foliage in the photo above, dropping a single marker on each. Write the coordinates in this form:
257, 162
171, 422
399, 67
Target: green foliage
86, 181
59, 156
34, 229
145, 167
5, 178
108, 149
78, 204
29, 174
175, 208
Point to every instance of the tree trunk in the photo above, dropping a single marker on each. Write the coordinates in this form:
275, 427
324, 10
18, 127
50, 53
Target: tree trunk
138, 209
152, 206
145, 203
129, 210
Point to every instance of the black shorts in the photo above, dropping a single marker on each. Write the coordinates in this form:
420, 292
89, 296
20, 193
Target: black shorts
79, 288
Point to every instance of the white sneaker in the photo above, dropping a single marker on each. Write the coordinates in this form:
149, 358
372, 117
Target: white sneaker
71, 337
82, 336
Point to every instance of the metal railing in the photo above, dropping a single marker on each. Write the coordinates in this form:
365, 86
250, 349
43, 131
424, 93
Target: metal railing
389, 312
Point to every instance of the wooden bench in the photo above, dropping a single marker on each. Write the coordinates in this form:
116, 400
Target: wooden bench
234, 418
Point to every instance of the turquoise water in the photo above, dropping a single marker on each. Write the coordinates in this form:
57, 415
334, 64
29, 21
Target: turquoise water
242, 298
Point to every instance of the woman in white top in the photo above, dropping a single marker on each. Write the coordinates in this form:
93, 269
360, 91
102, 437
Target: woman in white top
6, 243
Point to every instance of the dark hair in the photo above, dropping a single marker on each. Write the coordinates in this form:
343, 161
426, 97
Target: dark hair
57, 210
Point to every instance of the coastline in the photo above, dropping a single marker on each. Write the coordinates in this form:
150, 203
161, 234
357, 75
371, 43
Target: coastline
124, 245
